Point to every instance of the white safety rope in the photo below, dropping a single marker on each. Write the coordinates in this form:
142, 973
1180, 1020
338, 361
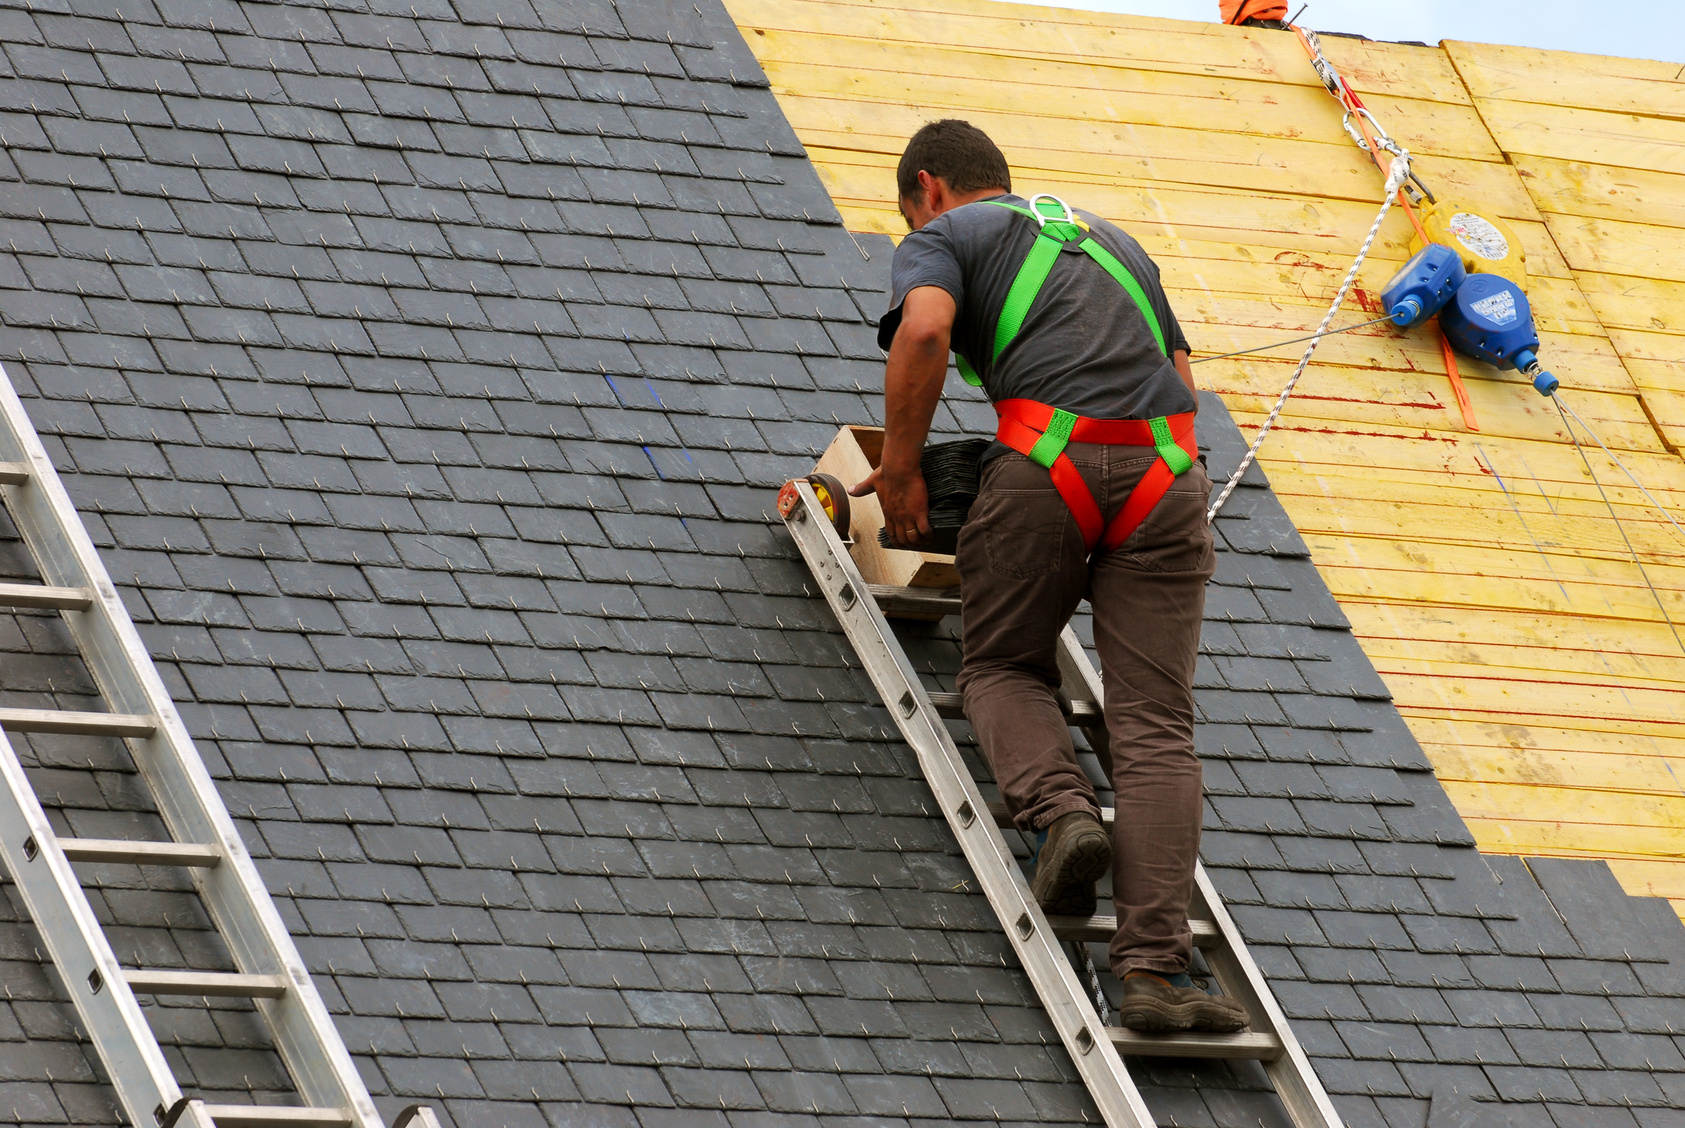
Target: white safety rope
1396, 176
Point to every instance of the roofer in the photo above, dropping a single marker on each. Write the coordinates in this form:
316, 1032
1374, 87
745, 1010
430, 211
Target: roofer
1093, 489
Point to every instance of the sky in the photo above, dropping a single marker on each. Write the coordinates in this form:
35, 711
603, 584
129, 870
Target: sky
1649, 29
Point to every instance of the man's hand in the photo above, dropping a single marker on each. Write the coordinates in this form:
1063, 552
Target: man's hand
905, 502
912, 384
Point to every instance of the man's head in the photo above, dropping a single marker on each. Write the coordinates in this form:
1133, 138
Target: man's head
948, 163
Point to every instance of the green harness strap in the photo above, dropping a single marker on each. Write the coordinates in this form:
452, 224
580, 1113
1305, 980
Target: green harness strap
1051, 239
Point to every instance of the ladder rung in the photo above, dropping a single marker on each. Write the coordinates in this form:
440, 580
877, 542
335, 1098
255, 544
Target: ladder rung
13, 473
140, 853
915, 603
1246, 1044
1100, 929
997, 809
64, 721
40, 595
221, 983
275, 1116
949, 706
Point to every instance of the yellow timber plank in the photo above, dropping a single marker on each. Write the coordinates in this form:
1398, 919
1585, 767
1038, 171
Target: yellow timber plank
1218, 322
1609, 246
1573, 533
1663, 350
1574, 549
1460, 467
1559, 699
1554, 464
1179, 46
1511, 410
1260, 220
1302, 289
1519, 640
1653, 360
1522, 821
1588, 744
1335, 392
1631, 195
1561, 78
1597, 136
1617, 819
1166, 154
885, 80
1588, 363
1652, 878
1379, 569
1622, 301
1614, 774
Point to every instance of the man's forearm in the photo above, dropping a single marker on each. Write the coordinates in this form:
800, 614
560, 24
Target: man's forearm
912, 385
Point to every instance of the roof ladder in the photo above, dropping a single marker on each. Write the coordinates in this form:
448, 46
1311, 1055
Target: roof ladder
864, 611
205, 844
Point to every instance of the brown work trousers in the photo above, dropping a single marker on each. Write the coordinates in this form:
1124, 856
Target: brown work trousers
1023, 571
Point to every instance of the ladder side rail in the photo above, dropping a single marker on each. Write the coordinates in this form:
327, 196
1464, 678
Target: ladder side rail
1075, 668
186, 796
1081, 682
53, 896
1039, 951
1295, 1079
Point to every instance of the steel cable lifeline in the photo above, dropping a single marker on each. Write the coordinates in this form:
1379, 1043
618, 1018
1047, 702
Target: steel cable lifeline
1610, 506
1396, 177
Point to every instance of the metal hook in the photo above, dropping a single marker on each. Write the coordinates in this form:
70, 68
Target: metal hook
1042, 220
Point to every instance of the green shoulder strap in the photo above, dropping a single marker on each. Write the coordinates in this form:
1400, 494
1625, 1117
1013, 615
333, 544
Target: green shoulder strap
1032, 275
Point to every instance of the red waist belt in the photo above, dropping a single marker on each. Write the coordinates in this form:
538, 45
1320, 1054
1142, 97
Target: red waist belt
1041, 433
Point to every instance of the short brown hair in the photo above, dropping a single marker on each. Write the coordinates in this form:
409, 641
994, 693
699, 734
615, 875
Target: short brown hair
956, 151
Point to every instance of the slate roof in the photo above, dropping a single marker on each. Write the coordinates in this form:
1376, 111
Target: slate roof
425, 375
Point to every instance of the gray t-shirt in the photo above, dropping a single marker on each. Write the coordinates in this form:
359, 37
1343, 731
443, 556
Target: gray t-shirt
1084, 345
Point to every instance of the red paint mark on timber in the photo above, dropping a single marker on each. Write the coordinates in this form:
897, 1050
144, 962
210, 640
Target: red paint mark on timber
1369, 303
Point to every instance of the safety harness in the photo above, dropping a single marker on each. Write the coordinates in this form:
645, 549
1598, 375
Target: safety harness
1040, 432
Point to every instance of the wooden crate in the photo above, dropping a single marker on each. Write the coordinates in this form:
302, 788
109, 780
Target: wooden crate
853, 455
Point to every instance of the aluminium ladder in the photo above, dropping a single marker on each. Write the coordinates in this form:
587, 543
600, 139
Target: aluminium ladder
864, 611
204, 841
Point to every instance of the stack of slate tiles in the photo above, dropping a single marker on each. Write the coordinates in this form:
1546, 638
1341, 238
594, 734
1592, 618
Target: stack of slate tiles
424, 374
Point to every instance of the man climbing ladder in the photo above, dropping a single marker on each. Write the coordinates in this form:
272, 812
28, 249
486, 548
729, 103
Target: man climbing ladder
1093, 489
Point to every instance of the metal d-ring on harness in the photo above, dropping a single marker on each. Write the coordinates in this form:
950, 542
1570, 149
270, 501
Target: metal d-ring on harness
1040, 432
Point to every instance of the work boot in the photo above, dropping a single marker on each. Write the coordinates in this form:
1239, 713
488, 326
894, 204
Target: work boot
1077, 853
1165, 1004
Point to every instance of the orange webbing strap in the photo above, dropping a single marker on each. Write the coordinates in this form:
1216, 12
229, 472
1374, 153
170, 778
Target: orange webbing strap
1239, 11
1351, 103
1456, 378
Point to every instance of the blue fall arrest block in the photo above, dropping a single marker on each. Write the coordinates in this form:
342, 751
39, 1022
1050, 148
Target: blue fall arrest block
1489, 319
1423, 285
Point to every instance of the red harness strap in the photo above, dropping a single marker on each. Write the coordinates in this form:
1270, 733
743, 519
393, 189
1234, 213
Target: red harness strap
1038, 431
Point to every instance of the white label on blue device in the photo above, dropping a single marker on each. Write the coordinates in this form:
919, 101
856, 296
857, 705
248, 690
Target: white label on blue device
1499, 308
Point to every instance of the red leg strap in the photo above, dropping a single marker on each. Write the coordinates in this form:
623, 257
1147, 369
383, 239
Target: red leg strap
1068, 481
1154, 484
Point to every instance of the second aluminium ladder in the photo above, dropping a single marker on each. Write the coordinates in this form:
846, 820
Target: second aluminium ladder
1095, 1048
204, 842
